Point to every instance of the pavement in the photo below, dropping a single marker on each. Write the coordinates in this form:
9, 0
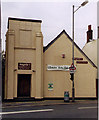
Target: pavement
45, 103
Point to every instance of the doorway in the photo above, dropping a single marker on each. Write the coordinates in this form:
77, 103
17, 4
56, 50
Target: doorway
96, 88
24, 84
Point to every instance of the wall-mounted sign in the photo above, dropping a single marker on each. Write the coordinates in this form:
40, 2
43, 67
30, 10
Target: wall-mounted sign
82, 62
24, 66
78, 58
58, 67
50, 86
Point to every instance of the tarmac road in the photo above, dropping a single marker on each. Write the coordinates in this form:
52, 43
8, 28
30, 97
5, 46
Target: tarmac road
84, 109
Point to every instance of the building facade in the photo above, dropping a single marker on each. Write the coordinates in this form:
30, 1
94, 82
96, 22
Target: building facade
38, 72
24, 59
90, 47
85, 74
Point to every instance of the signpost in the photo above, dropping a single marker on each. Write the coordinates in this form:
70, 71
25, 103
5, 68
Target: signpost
72, 68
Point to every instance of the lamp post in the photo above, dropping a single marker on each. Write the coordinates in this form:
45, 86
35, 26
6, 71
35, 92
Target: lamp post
73, 89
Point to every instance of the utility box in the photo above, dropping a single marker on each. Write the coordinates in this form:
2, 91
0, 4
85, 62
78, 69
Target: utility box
66, 96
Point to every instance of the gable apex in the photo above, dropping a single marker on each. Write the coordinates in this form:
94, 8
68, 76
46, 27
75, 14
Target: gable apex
49, 44
46, 47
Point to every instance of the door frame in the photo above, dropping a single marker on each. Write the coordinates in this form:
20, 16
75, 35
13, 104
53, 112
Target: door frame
18, 83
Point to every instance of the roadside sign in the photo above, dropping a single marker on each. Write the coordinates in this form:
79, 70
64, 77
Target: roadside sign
72, 71
72, 68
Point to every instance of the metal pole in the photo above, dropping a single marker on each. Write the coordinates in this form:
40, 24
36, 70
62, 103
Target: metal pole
73, 38
73, 89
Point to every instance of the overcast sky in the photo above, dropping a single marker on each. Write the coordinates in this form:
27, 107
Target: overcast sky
55, 16
98, 12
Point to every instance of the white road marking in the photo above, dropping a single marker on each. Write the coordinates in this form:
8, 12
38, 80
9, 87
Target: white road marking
16, 112
87, 107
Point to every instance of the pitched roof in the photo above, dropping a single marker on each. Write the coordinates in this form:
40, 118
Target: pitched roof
46, 47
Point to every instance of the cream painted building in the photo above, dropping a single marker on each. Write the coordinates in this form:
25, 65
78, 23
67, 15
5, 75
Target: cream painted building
90, 47
24, 59
38, 72
91, 50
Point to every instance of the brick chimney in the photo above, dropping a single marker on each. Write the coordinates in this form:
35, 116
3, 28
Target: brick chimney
89, 34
